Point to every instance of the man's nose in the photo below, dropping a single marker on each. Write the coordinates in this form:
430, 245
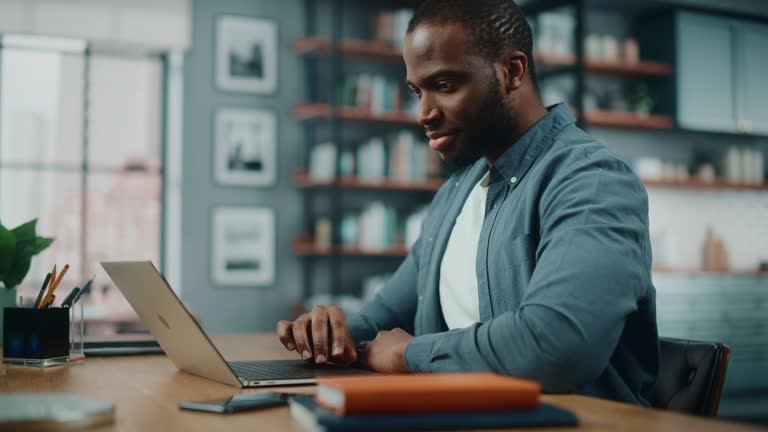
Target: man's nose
429, 114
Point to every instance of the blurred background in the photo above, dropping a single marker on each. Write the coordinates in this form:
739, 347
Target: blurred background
265, 156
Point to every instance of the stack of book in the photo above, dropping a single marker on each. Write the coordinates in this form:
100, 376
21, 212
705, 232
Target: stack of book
375, 93
471, 400
322, 161
371, 159
377, 227
410, 159
400, 156
391, 26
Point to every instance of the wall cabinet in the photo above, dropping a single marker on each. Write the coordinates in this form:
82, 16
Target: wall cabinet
721, 74
752, 76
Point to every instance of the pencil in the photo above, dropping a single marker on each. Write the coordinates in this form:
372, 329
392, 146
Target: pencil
42, 290
54, 285
61, 276
53, 276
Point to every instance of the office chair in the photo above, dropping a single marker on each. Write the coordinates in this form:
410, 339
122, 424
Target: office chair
691, 376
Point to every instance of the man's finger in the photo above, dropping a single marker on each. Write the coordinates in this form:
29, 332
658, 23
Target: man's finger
338, 330
350, 351
285, 333
301, 336
362, 355
320, 333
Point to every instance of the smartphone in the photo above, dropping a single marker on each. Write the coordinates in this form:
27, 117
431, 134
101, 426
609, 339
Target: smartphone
238, 403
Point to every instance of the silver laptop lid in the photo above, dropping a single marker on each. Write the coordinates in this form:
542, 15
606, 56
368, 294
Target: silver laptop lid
169, 321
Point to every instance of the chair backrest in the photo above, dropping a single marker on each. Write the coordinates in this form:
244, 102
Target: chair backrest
691, 376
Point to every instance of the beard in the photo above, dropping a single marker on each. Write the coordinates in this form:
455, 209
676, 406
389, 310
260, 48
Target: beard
493, 125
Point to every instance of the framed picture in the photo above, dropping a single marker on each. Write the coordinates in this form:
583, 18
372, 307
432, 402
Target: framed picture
246, 54
245, 147
243, 251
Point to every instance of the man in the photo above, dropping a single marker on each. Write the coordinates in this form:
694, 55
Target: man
534, 260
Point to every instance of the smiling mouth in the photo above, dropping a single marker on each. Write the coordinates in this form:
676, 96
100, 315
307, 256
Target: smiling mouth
442, 142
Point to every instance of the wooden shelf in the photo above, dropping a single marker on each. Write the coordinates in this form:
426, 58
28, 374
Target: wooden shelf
302, 179
594, 118
630, 120
354, 48
386, 52
323, 111
639, 69
699, 272
304, 246
553, 62
704, 185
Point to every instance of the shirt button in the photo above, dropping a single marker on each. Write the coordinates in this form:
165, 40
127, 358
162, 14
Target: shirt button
513, 180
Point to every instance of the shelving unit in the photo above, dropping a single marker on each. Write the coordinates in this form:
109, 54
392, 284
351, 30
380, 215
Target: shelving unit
335, 119
547, 64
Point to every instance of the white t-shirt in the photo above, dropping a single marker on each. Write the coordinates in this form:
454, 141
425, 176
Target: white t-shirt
458, 276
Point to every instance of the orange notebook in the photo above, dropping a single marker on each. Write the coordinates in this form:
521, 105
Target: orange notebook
426, 393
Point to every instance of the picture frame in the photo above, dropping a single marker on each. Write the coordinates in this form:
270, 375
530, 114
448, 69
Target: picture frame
245, 147
246, 54
243, 246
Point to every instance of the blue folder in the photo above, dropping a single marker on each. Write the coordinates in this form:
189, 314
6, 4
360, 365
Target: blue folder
315, 418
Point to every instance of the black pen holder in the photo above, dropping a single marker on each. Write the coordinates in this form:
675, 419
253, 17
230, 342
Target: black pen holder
36, 337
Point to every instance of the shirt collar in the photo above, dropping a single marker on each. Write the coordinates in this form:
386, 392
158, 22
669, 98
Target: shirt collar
486, 180
512, 165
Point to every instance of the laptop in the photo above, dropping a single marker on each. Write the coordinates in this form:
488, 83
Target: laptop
185, 342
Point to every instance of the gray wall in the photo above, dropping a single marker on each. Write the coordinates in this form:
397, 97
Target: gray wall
246, 308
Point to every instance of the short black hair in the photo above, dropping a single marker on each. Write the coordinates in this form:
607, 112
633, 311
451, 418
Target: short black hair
493, 26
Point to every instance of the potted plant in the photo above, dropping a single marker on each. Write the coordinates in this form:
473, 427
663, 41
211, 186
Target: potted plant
17, 247
642, 99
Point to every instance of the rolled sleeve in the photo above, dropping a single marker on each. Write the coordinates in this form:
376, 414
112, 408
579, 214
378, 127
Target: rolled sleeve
418, 353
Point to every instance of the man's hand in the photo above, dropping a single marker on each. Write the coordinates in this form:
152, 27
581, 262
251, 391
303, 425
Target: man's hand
386, 353
321, 335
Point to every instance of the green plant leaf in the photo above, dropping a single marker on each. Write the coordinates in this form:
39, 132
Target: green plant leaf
7, 251
27, 244
41, 244
25, 231
25, 240
18, 271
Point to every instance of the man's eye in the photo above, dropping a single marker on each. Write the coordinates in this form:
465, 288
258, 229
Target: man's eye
416, 92
445, 86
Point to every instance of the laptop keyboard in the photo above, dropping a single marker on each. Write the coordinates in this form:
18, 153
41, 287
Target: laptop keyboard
287, 369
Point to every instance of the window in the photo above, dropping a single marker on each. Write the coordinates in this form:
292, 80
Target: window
81, 145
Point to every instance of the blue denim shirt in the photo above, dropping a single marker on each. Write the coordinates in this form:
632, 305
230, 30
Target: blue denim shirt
563, 272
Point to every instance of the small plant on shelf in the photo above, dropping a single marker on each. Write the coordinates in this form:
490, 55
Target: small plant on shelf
642, 100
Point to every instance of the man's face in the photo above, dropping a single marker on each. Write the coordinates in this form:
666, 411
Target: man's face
461, 107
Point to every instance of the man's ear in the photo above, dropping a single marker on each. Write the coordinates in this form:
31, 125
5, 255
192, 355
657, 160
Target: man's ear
512, 68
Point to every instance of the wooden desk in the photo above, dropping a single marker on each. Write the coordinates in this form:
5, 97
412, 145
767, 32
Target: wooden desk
146, 391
